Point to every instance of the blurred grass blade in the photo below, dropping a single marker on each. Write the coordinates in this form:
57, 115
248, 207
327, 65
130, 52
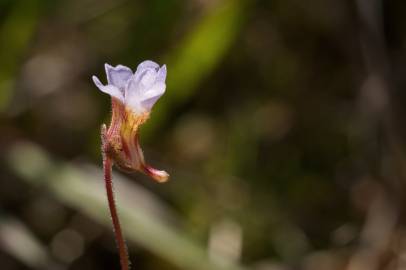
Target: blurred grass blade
199, 53
15, 34
18, 241
84, 191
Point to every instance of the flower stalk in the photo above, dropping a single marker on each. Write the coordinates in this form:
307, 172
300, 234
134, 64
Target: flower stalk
122, 247
108, 181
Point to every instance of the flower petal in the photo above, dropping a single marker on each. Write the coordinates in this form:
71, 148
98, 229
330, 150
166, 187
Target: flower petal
145, 87
118, 76
157, 89
147, 64
139, 84
132, 96
151, 96
161, 77
109, 89
147, 79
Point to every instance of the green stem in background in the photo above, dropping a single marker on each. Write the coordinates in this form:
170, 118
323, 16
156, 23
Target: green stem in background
122, 247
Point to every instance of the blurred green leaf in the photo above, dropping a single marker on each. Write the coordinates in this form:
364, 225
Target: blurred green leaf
17, 240
84, 191
199, 54
15, 34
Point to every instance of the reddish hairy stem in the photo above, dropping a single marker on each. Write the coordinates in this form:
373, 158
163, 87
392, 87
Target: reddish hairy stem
122, 247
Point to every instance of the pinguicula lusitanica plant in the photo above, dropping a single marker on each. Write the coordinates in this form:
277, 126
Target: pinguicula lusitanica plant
132, 97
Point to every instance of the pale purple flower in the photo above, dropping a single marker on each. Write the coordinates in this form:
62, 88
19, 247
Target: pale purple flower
137, 91
133, 95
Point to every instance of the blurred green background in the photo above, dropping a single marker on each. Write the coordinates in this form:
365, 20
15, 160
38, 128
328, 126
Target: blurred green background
282, 129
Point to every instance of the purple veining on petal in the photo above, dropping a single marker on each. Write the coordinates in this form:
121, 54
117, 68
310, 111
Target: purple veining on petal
118, 76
